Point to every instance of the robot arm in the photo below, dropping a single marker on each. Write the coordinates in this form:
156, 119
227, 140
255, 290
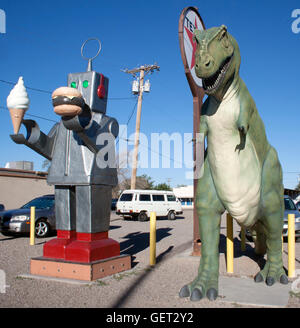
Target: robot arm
79, 123
36, 139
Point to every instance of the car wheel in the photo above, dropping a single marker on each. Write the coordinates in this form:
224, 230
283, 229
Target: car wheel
42, 228
171, 215
142, 217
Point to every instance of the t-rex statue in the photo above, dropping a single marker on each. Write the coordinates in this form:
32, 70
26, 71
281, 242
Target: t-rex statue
242, 173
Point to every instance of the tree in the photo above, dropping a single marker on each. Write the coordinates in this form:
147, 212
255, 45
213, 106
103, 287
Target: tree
298, 186
163, 186
142, 182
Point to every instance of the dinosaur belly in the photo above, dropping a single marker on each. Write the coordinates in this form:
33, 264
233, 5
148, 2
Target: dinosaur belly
236, 173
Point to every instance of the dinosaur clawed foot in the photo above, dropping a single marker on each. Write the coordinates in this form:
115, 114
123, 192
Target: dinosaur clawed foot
197, 291
270, 276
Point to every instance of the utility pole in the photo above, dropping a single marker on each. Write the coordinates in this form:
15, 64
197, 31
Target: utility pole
143, 71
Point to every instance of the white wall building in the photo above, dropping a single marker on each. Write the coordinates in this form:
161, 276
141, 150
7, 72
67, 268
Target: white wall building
185, 195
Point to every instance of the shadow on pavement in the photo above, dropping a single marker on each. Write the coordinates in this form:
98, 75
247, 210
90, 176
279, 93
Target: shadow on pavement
127, 294
112, 227
138, 241
249, 252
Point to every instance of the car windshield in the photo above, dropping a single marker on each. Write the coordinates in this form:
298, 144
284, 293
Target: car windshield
126, 197
40, 203
289, 204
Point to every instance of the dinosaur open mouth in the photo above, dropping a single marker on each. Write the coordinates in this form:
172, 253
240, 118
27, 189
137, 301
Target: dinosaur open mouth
212, 83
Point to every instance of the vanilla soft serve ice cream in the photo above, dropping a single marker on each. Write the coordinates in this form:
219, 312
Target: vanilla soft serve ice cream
18, 97
18, 103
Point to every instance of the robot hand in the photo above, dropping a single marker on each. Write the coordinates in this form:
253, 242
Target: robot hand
36, 139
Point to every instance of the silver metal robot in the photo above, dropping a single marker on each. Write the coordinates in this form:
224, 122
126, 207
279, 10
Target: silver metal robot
82, 154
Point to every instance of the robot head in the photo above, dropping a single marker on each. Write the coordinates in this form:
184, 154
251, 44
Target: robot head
93, 87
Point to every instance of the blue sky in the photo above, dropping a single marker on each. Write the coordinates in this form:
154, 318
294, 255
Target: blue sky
42, 44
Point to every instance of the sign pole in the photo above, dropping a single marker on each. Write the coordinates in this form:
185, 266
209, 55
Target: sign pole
188, 21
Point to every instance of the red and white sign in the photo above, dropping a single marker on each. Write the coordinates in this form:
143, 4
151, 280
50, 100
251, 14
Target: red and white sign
191, 22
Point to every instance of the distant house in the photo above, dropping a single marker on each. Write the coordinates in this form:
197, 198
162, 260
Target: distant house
186, 195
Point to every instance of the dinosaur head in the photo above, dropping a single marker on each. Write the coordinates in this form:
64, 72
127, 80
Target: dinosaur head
217, 59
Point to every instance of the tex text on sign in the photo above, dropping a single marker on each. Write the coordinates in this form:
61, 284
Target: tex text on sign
191, 22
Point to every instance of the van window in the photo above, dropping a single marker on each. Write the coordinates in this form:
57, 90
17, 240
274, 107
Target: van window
126, 198
145, 198
171, 198
158, 198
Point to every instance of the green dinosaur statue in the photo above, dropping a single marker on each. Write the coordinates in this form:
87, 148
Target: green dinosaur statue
242, 173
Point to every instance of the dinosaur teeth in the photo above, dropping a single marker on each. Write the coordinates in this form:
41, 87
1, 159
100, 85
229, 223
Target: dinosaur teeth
214, 80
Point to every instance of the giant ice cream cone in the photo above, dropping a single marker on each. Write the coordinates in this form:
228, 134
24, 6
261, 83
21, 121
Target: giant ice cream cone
17, 103
17, 116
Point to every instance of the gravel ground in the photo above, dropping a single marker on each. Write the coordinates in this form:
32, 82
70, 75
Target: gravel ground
142, 286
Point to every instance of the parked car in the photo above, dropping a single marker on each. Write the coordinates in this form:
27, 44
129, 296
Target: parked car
2, 207
289, 208
114, 204
298, 205
18, 220
140, 203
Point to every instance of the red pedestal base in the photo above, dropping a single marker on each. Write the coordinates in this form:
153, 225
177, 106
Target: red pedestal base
56, 248
81, 247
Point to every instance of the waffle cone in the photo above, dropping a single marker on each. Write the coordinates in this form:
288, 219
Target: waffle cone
17, 116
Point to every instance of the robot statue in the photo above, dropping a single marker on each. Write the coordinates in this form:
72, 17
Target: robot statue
82, 154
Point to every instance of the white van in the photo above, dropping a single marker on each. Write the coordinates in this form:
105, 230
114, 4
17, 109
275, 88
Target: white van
140, 203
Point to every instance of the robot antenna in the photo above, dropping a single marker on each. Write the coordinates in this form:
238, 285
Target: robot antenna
89, 68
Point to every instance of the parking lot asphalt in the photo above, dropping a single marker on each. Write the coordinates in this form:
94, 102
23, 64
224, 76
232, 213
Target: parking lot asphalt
142, 286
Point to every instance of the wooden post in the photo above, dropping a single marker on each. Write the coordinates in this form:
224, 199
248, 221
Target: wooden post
137, 130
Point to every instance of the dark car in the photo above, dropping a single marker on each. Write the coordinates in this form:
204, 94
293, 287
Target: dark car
114, 204
18, 220
289, 208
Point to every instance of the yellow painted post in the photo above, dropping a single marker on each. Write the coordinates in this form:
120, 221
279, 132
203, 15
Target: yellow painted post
152, 238
32, 225
291, 245
243, 239
229, 242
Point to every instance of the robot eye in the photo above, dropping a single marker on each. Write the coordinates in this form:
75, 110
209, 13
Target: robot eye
73, 85
85, 83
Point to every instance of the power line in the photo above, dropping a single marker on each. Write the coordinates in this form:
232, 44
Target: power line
129, 118
31, 115
49, 92
34, 89
153, 151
